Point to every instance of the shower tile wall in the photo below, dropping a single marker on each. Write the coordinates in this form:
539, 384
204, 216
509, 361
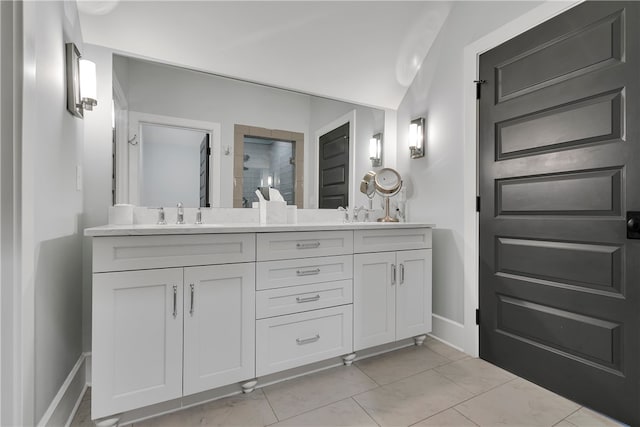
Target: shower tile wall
268, 159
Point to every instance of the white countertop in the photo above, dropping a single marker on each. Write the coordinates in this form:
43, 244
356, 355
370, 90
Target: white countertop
154, 229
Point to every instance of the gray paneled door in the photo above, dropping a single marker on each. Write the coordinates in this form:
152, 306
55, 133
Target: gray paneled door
559, 163
333, 166
205, 161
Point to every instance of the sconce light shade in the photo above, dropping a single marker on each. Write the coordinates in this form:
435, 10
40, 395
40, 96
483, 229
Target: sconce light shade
81, 82
416, 138
88, 89
375, 150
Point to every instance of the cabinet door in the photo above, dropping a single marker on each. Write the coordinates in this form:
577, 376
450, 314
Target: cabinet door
219, 325
374, 300
137, 339
413, 293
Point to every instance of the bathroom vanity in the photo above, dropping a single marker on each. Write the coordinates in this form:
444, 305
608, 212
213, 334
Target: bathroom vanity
179, 310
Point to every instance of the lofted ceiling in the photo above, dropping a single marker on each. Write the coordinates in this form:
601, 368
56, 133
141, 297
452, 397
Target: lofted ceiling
367, 52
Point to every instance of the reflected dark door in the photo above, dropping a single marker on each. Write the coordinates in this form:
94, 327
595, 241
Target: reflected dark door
559, 167
333, 160
205, 159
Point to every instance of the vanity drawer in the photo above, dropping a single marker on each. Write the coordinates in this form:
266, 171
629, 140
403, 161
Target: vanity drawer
276, 302
397, 239
301, 271
304, 244
285, 342
143, 252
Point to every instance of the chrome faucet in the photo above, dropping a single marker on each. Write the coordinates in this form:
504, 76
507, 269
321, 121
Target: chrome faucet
180, 214
356, 213
161, 220
199, 216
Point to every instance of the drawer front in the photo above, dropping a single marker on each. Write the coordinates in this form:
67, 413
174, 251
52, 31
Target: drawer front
276, 302
305, 244
397, 239
298, 339
302, 271
143, 252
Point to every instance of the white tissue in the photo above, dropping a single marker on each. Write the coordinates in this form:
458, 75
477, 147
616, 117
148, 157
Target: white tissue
260, 196
275, 196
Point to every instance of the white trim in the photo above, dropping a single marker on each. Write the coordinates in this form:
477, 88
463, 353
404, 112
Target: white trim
472, 51
350, 118
74, 411
55, 413
122, 132
214, 130
448, 331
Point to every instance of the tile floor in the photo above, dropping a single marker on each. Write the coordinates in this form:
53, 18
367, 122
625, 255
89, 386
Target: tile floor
432, 385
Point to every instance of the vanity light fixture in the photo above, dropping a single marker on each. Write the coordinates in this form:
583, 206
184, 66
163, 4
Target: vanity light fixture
416, 138
81, 82
375, 150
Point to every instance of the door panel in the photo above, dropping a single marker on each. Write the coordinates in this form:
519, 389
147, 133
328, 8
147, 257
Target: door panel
413, 308
205, 161
333, 164
559, 159
374, 300
137, 344
219, 325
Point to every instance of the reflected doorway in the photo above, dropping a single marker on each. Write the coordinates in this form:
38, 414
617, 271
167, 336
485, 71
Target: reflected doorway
267, 158
268, 163
174, 166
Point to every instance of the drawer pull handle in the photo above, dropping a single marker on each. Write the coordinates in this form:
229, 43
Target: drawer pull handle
303, 341
308, 245
308, 272
192, 292
393, 274
308, 299
175, 301
401, 274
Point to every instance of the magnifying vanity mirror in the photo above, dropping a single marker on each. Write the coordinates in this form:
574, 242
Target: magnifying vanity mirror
187, 136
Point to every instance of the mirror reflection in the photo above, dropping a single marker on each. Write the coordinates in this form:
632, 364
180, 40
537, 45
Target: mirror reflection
204, 140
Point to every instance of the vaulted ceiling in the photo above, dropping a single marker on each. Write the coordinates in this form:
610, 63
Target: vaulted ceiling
366, 52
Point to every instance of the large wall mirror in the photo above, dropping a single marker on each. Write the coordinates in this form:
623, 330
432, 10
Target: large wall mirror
204, 140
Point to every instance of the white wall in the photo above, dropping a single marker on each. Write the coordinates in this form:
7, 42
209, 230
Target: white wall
435, 182
52, 205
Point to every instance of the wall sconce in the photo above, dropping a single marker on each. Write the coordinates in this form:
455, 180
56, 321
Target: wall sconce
81, 82
416, 138
375, 150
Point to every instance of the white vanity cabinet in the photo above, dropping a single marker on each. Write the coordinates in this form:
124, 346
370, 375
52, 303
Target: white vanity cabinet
162, 333
175, 314
392, 288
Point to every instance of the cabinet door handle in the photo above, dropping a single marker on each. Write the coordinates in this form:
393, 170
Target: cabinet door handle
175, 301
192, 292
308, 299
393, 274
308, 272
307, 245
401, 274
303, 341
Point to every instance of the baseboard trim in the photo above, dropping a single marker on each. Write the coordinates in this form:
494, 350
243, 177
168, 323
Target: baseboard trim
448, 331
65, 403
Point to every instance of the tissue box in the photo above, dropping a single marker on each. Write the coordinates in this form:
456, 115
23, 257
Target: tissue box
273, 212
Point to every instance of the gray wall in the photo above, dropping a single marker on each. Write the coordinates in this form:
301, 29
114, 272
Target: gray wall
435, 182
52, 205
